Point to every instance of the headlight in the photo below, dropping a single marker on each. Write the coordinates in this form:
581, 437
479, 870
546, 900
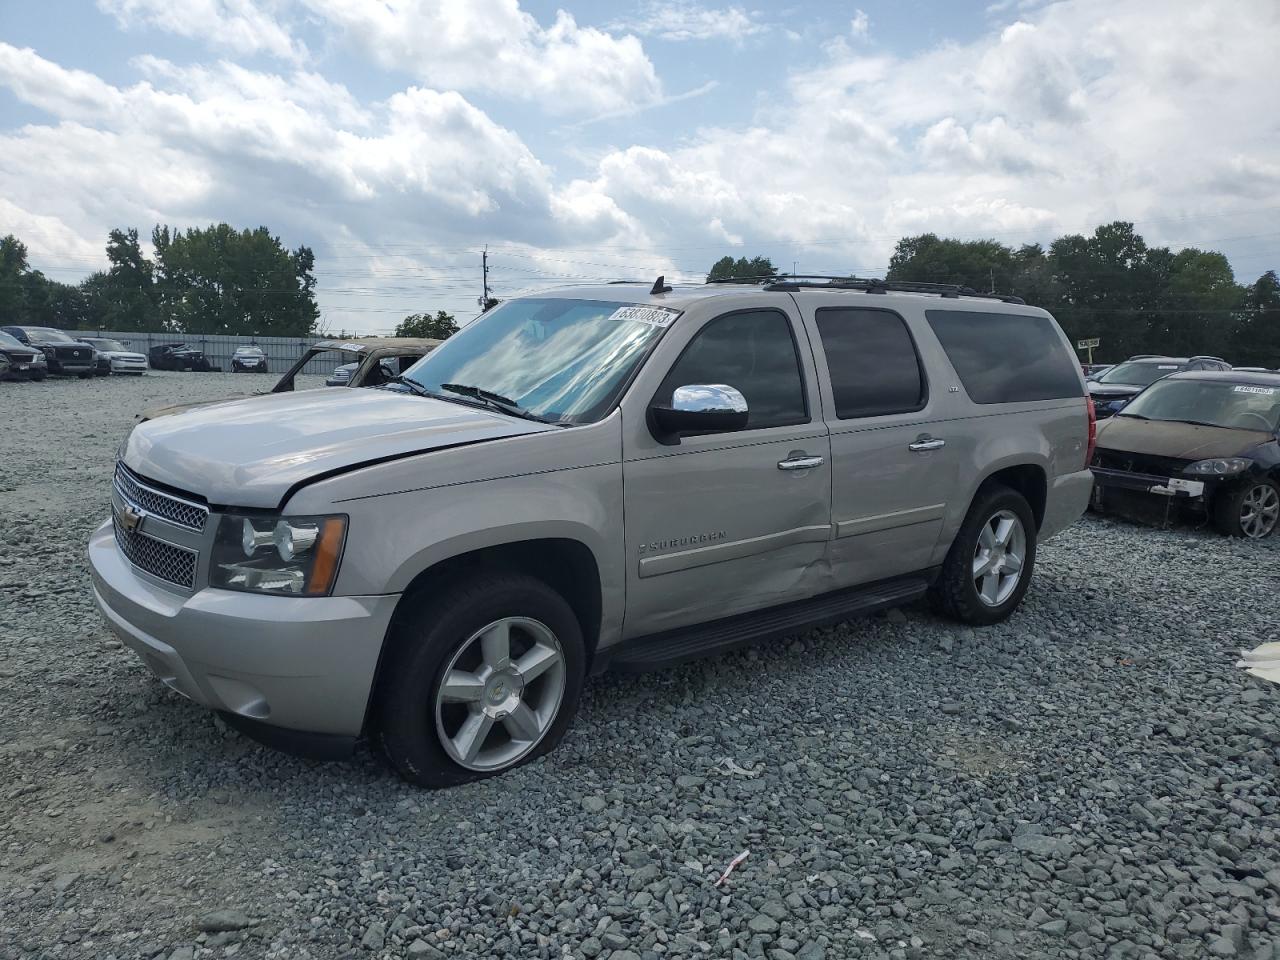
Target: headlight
1219, 467
295, 556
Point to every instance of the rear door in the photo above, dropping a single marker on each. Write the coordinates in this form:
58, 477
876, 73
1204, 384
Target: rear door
726, 523
893, 466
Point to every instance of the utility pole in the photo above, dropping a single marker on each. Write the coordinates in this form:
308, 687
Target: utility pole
484, 266
991, 275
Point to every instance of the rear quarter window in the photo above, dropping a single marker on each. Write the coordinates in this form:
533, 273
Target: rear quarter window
1006, 357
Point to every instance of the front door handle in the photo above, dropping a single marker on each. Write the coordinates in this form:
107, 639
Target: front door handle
925, 444
799, 462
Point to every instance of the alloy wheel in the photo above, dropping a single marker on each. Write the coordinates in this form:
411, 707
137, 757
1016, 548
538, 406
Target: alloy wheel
500, 693
999, 558
1259, 511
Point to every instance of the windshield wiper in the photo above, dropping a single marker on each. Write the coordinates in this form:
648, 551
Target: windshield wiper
1135, 416
414, 386
495, 400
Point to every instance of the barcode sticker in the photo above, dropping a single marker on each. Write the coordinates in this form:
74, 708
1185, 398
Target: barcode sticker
654, 316
1265, 391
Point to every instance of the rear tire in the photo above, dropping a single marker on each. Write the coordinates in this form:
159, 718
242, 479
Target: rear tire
991, 560
500, 710
1249, 509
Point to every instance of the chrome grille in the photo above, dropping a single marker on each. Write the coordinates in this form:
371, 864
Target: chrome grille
193, 516
166, 561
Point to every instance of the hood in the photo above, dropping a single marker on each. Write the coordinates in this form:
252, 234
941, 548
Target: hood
1182, 441
1113, 389
251, 452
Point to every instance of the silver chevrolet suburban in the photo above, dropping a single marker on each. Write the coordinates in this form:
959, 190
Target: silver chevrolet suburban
603, 476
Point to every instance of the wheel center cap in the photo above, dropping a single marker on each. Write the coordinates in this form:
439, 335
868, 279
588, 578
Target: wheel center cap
502, 693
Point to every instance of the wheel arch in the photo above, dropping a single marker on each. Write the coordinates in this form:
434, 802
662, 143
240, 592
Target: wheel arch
1029, 479
566, 564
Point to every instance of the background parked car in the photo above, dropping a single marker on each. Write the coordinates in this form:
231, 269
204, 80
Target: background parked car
178, 356
249, 360
1115, 387
119, 358
64, 355
379, 359
375, 360
1094, 370
1203, 442
24, 362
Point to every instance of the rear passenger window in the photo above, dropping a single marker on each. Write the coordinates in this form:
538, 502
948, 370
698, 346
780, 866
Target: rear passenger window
754, 353
1007, 357
875, 369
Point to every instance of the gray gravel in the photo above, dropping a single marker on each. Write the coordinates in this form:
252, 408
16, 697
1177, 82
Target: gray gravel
1092, 779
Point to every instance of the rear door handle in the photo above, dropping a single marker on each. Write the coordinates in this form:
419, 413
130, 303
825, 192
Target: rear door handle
925, 444
800, 463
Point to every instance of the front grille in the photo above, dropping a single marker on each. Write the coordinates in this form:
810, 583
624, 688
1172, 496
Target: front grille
166, 561
1139, 463
193, 516
74, 353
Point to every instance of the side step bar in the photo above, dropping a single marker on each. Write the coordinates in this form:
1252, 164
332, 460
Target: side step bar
660, 650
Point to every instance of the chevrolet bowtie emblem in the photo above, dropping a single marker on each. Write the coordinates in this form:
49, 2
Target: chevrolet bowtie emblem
130, 517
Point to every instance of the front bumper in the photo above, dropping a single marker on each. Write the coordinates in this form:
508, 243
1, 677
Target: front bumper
297, 663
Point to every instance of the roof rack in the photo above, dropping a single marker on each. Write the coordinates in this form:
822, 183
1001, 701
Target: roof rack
868, 285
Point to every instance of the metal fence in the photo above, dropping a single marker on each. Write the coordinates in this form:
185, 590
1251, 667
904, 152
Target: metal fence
282, 352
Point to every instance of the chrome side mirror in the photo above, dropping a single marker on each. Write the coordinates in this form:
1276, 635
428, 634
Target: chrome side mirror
699, 408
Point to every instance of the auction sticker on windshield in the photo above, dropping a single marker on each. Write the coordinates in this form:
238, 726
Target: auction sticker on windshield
1265, 391
654, 316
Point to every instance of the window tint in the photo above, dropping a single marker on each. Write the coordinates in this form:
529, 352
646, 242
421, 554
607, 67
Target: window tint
752, 352
874, 366
1005, 357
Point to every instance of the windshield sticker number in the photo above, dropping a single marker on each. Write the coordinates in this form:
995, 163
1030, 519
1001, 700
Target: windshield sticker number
1265, 391
654, 316
1167, 366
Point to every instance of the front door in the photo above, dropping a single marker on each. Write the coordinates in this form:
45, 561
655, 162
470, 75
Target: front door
726, 523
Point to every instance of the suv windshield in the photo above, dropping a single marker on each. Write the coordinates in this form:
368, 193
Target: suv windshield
1239, 406
9, 341
248, 351
1139, 374
107, 346
560, 359
48, 335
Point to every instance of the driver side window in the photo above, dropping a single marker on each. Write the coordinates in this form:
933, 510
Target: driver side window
754, 352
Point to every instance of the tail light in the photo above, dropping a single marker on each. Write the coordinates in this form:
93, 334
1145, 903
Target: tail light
1093, 431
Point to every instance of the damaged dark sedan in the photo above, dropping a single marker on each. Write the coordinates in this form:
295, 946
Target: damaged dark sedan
1202, 443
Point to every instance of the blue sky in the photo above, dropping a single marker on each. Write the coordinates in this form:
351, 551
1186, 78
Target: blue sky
397, 138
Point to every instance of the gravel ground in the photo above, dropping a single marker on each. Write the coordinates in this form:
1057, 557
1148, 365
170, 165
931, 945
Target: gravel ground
1091, 779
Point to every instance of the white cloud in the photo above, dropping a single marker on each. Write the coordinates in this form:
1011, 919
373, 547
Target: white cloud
495, 47
687, 20
860, 25
1071, 115
238, 26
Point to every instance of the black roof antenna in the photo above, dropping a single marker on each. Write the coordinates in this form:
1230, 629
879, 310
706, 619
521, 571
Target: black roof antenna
659, 286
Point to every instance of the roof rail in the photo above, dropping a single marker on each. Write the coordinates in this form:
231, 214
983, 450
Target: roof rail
868, 285
1151, 356
1206, 356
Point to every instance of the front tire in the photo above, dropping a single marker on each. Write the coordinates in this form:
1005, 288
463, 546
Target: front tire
989, 566
479, 679
1250, 509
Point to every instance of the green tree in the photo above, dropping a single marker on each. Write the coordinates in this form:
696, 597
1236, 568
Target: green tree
727, 268
1256, 338
984, 265
438, 326
222, 280
13, 266
125, 297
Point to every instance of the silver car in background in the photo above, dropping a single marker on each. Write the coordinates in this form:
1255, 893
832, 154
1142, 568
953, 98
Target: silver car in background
597, 477
119, 356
